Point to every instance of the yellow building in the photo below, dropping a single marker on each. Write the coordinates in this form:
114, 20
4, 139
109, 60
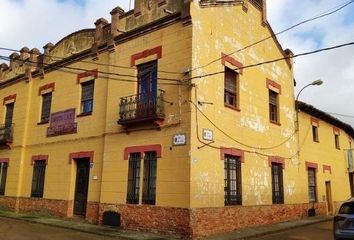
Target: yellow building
151, 117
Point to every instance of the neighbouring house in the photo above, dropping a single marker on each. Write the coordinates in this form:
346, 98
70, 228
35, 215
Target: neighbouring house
151, 117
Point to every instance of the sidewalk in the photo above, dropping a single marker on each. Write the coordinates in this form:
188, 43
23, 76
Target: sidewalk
250, 233
125, 234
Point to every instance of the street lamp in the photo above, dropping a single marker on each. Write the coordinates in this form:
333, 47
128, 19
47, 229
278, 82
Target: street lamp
314, 83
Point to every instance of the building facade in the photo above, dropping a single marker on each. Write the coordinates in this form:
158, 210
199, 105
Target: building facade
151, 116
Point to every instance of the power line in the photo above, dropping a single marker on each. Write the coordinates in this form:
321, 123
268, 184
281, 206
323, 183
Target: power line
341, 115
326, 13
276, 60
95, 63
64, 69
83, 69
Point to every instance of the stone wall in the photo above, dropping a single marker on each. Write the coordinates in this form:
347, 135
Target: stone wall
7, 203
58, 208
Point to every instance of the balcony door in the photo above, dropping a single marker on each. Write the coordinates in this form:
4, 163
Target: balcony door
7, 130
147, 89
81, 186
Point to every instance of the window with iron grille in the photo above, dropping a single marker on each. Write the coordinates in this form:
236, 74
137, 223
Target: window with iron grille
312, 184
46, 106
336, 141
3, 175
277, 183
38, 178
133, 179
87, 96
232, 180
273, 107
315, 134
230, 88
149, 183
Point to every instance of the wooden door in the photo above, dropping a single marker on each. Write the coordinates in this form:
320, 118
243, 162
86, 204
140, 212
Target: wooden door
329, 198
81, 187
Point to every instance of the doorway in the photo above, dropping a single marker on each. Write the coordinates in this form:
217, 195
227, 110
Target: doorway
329, 198
81, 186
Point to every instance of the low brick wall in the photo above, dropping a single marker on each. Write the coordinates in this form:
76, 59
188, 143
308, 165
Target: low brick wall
167, 220
210, 221
92, 212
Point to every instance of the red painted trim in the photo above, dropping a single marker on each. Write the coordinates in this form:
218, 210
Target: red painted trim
327, 168
273, 84
92, 73
315, 121
48, 86
311, 165
141, 149
39, 158
4, 160
226, 58
276, 159
233, 152
8, 98
75, 155
146, 53
336, 131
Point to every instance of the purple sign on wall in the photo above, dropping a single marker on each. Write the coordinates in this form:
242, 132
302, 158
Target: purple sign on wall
62, 123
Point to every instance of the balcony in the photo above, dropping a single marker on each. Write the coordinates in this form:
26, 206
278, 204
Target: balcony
6, 134
137, 109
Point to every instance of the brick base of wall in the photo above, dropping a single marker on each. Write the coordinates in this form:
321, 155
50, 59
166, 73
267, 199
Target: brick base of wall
186, 223
210, 221
166, 220
58, 208
7, 203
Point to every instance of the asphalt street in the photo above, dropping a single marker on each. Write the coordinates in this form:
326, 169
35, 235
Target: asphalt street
321, 231
11, 229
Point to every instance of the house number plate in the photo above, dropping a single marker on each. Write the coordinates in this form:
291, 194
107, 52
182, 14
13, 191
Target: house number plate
179, 139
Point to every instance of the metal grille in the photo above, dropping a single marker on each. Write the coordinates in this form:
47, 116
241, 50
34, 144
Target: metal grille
273, 106
3, 174
312, 184
232, 181
149, 185
133, 179
46, 106
38, 178
87, 96
277, 184
230, 97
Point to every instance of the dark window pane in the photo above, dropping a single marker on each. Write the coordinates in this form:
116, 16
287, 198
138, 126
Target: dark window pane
312, 184
149, 185
87, 96
230, 86
347, 208
9, 114
273, 106
46, 106
38, 178
315, 133
336, 140
133, 179
277, 183
232, 180
3, 176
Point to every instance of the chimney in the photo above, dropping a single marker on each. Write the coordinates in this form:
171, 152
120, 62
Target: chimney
264, 11
100, 23
116, 13
289, 57
13, 60
24, 54
47, 48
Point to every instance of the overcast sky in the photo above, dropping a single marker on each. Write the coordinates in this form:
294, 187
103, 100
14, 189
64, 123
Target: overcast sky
33, 23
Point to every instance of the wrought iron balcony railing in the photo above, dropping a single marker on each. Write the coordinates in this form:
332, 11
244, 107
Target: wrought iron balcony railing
141, 108
6, 133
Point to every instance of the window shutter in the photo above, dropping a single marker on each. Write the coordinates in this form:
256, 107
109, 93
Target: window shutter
230, 80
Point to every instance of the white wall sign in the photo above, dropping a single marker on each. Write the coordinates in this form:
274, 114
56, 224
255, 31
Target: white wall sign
208, 134
179, 139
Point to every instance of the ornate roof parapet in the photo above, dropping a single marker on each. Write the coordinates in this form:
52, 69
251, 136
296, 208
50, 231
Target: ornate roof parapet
116, 13
3, 69
47, 58
24, 53
99, 33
